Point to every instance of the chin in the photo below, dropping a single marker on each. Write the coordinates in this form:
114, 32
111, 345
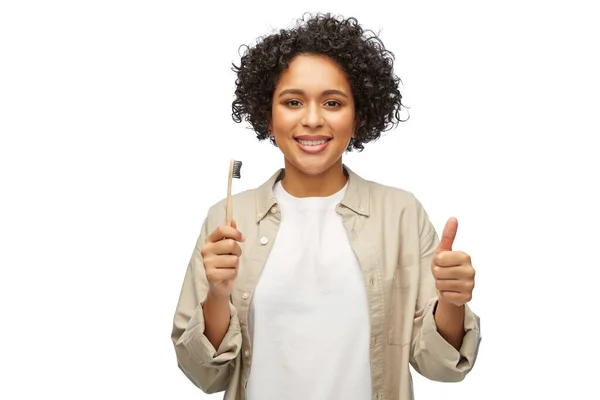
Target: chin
313, 167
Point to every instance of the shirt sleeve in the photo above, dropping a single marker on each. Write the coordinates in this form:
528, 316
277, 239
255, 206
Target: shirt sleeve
431, 355
208, 368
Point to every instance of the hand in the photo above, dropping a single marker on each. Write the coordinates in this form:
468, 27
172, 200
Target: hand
220, 254
454, 275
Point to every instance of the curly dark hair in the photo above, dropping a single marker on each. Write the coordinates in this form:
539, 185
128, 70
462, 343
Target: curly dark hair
359, 52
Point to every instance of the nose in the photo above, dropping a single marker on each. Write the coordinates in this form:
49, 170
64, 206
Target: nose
312, 117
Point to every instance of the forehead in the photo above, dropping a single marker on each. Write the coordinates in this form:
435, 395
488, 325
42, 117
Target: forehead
314, 72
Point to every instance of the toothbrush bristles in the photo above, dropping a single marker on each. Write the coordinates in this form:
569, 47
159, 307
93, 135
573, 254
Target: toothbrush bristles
237, 169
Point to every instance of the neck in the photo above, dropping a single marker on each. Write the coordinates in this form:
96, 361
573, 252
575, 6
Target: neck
326, 183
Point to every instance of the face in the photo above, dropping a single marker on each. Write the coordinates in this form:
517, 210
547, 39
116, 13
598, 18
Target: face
313, 114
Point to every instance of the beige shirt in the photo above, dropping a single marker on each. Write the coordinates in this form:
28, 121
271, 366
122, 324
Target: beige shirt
394, 241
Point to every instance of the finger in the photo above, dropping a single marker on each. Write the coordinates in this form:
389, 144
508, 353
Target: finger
225, 246
456, 298
225, 261
460, 272
454, 285
451, 259
225, 232
448, 235
221, 274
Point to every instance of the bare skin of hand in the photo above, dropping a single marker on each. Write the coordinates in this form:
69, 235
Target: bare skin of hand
454, 280
220, 254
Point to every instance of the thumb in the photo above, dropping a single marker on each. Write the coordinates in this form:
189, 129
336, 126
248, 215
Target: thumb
234, 226
448, 235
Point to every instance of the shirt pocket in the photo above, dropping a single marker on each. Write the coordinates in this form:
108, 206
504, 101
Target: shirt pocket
400, 310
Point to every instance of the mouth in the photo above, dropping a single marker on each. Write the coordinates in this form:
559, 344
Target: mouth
312, 146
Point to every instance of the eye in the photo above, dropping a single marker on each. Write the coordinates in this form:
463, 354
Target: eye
293, 103
332, 103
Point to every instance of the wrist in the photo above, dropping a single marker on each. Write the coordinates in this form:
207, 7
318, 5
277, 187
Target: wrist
449, 320
216, 298
449, 309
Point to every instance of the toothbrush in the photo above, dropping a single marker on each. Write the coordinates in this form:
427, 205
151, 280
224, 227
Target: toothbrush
235, 168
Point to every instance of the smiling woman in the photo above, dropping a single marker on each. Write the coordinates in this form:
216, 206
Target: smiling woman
326, 286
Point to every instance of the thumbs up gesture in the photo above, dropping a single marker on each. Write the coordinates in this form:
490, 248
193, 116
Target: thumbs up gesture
454, 275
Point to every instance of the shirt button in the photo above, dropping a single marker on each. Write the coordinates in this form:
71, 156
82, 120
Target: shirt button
245, 296
247, 353
264, 240
273, 209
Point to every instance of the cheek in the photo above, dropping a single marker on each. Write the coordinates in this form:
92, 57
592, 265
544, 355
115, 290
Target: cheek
343, 123
283, 119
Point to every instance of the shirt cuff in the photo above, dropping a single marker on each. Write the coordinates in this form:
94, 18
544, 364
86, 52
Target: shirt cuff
199, 347
461, 359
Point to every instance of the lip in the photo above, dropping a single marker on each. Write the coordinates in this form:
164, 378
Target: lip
312, 137
312, 149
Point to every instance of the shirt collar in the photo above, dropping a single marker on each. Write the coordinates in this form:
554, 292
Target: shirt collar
356, 198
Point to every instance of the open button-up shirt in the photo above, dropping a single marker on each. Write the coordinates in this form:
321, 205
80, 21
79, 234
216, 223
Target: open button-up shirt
394, 241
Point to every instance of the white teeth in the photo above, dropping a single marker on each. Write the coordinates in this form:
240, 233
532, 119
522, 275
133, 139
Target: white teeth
312, 142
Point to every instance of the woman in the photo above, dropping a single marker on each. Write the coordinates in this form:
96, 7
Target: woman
326, 286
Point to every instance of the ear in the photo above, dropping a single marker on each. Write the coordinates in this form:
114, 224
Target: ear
356, 121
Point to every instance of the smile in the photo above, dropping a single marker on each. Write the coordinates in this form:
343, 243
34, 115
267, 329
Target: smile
312, 142
312, 146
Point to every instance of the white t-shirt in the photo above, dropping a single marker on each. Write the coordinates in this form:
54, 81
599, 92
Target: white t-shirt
309, 320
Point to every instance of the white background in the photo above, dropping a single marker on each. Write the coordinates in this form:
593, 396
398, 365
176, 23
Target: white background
116, 132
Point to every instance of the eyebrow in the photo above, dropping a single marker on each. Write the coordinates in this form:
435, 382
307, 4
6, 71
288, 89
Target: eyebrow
325, 92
